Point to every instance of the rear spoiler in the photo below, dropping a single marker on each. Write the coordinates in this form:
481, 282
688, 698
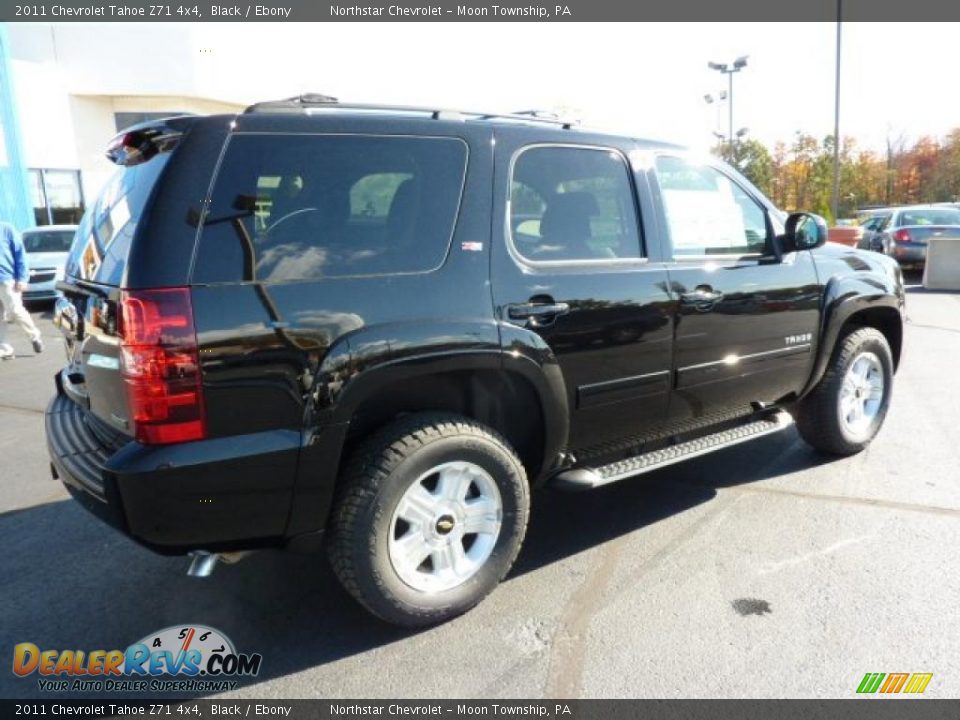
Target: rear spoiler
139, 143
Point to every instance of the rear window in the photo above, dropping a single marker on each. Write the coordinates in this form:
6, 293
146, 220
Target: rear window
302, 207
935, 216
47, 241
102, 241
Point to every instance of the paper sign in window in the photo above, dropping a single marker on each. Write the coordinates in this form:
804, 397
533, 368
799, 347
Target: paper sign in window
703, 221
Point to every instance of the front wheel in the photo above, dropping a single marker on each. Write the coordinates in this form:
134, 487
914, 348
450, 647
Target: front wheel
429, 518
848, 406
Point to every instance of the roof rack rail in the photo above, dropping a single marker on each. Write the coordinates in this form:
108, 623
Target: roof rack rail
318, 101
544, 116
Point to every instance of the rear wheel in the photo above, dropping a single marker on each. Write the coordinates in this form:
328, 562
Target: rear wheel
847, 408
430, 516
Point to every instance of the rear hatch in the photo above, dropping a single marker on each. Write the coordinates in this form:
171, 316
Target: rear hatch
95, 284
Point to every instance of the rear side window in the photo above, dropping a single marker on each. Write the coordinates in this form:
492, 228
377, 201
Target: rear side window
573, 204
302, 207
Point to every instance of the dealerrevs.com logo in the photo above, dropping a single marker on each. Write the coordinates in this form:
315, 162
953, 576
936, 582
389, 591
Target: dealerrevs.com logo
183, 658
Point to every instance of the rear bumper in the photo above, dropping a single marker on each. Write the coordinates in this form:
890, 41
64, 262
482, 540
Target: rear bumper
219, 494
909, 254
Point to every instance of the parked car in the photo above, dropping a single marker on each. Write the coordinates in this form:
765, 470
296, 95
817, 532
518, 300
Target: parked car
377, 330
871, 222
47, 249
903, 233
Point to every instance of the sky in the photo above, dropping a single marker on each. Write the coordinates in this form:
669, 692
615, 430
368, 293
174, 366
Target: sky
898, 80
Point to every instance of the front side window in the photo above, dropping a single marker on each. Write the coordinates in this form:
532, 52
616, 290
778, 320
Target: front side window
303, 207
573, 204
707, 213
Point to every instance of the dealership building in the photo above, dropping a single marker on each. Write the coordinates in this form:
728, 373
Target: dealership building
65, 91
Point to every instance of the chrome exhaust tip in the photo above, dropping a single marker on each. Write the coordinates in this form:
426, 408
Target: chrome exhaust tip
202, 563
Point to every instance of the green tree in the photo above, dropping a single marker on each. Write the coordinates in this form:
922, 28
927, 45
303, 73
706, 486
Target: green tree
753, 159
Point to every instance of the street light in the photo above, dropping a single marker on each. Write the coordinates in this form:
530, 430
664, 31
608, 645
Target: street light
729, 69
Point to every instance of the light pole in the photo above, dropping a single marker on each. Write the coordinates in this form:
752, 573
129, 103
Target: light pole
729, 69
719, 99
835, 195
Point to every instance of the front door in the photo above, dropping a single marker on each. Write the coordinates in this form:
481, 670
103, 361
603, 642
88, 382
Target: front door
570, 265
747, 319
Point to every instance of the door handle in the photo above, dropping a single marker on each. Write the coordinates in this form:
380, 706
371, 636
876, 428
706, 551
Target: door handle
703, 298
537, 314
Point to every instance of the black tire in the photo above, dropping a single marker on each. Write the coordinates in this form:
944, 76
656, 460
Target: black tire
374, 480
818, 414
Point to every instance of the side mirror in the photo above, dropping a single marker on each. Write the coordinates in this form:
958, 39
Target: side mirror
804, 231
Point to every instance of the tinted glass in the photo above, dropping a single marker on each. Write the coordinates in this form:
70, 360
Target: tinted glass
47, 241
573, 204
932, 216
102, 241
300, 207
876, 223
707, 213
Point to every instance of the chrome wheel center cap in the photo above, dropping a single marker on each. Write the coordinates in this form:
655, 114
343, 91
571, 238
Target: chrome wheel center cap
445, 524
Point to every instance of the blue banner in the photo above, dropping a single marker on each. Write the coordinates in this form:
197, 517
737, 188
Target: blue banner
15, 205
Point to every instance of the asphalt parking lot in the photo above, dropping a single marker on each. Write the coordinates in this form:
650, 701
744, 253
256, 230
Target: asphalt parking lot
762, 571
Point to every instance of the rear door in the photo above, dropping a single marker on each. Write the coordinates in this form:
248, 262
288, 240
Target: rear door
747, 319
571, 265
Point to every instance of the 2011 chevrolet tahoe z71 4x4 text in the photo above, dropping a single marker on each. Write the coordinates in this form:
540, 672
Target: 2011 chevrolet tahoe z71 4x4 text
382, 327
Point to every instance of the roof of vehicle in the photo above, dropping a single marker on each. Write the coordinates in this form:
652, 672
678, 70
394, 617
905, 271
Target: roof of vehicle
313, 104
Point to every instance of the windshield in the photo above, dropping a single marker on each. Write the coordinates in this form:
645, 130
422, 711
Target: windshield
38, 241
935, 216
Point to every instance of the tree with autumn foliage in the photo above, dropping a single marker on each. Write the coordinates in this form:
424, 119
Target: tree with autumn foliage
799, 175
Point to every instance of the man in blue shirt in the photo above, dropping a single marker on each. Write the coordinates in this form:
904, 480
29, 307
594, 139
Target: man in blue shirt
13, 281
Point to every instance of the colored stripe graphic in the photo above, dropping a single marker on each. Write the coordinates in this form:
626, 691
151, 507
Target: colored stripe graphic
870, 682
918, 683
894, 682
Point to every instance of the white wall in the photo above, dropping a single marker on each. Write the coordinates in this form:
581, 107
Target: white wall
69, 80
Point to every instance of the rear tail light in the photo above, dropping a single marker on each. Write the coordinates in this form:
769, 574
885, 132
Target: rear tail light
160, 366
902, 235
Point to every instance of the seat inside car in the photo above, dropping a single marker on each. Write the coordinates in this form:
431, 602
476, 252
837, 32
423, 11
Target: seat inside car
565, 227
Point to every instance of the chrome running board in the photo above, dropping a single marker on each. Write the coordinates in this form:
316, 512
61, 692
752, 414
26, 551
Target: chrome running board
586, 478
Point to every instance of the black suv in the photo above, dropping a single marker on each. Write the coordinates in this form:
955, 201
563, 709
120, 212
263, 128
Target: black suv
376, 329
